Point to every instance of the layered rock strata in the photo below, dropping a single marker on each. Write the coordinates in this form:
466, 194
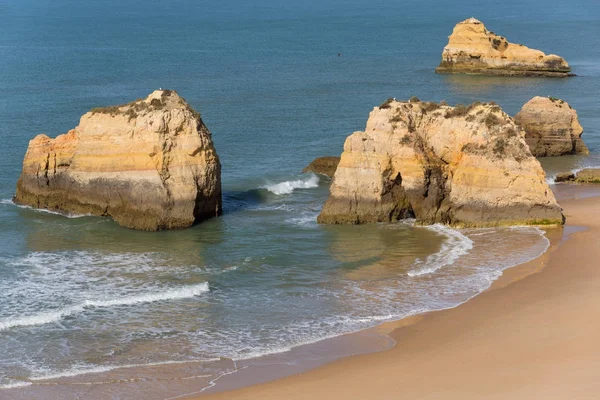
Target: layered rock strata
551, 127
472, 49
465, 166
323, 166
149, 165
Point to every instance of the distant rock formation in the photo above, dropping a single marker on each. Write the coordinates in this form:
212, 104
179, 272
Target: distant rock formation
472, 49
587, 175
465, 166
149, 164
323, 165
551, 127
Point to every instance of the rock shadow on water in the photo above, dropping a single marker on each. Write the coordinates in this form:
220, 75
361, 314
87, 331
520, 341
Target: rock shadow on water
380, 251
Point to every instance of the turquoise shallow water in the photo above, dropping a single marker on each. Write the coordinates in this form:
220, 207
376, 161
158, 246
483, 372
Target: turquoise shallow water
84, 295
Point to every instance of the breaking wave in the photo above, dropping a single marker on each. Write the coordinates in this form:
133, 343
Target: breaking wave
455, 246
54, 316
288, 187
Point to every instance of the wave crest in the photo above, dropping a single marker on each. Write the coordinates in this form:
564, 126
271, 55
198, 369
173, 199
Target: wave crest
54, 316
288, 187
455, 246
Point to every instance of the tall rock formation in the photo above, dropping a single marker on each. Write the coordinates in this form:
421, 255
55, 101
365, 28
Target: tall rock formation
149, 165
465, 166
551, 127
472, 49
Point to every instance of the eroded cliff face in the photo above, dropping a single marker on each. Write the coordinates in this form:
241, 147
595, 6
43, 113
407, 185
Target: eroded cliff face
551, 127
473, 49
149, 165
465, 166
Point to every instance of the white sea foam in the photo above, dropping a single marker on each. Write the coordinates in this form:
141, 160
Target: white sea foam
62, 214
288, 187
307, 219
15, 385
455, 245
551, 180
54, 316
83, 370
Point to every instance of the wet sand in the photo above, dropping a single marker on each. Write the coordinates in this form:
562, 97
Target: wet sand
534, 334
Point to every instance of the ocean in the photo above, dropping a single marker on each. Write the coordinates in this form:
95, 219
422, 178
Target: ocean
89, 307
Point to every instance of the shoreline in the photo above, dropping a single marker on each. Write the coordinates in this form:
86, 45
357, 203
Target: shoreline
279, 370
416, 337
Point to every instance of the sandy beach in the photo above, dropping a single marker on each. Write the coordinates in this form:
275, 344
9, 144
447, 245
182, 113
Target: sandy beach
534, 334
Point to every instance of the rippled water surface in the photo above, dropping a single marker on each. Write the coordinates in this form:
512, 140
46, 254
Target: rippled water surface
84, 301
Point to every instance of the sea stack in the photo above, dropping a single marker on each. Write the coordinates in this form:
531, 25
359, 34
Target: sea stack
472, 49
464, 166
149, 164
551, 127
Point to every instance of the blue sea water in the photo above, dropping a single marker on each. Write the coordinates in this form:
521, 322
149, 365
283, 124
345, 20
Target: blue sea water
278, 84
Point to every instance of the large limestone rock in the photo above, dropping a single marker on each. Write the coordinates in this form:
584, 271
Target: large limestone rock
323, 166
551, 127
149, 164
473, 49
465, 166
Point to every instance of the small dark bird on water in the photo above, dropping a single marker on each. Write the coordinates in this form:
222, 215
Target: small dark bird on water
339, 54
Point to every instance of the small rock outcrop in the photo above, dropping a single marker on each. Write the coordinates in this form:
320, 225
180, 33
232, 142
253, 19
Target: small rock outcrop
564, 177
472, 49
551, 127
465, 166
586, 175
323, 166
149, 164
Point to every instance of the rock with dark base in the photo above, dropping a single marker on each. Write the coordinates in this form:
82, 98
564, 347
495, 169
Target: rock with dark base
564, 177
465, 166
551, 127
149, 164
323, 166
472, 49
586, 175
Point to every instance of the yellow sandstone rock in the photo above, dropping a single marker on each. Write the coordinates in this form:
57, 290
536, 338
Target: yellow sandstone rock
465, 166
149, 164
551, 127
472, 49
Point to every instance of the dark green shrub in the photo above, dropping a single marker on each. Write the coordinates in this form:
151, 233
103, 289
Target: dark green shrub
386, 104
429, 106
499, 147
491, 120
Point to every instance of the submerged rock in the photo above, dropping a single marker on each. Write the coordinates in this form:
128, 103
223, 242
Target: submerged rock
472, 49
149, 165
461, 166
551, 127
323, 165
